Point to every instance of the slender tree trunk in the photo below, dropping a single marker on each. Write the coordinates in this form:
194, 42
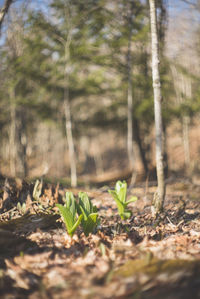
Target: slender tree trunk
70, 141
140, 146
66, 101
185, 124
4, 10
22, 139
130, 97
98, 164
186, 142
130, 111
183, 88
162, 24
98, 159
12, 137
130, 124
159, 196
165, 155
67, 109
68, 126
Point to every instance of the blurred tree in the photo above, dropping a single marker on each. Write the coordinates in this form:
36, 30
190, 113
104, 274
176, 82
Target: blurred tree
72, 38
130, 58
20, 88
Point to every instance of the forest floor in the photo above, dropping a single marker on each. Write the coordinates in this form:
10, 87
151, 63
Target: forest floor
142, 257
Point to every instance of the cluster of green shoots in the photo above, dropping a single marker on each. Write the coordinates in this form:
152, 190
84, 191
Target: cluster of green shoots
82, 212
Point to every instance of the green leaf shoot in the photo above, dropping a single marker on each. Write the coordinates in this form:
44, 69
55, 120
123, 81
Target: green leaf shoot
89, 212
69, 213
119, 195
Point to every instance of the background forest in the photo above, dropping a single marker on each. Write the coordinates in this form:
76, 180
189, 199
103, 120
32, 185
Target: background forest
76, 92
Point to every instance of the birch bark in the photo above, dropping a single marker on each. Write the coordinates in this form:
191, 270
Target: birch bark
159, 196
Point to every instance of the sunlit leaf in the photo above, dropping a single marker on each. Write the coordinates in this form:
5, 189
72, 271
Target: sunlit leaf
119, 195
89, 212
90, 224
72, 231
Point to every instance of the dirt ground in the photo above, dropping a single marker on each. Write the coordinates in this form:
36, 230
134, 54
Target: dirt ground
142, 257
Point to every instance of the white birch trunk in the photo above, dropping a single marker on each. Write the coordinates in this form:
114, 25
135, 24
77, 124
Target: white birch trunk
159, 196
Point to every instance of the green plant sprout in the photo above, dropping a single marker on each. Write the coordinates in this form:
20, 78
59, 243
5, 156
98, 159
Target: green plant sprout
69, 213
119, 195
21, 208
89, 212
37, 190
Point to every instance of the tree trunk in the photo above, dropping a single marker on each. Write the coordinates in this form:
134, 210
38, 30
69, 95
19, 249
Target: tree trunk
185, 124
67, 109
140, 146
12, 139
162, 24
183, 90
22, 141
159, 196
70, 141
4, 10
165, 155
186, 142
68, 126
130, 97
130, 112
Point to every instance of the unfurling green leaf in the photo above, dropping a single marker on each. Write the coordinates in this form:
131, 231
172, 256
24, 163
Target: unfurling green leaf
119, 195
85, 203
69, 212
75, 213
121, 190
89, 212
37, 190
90, 224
